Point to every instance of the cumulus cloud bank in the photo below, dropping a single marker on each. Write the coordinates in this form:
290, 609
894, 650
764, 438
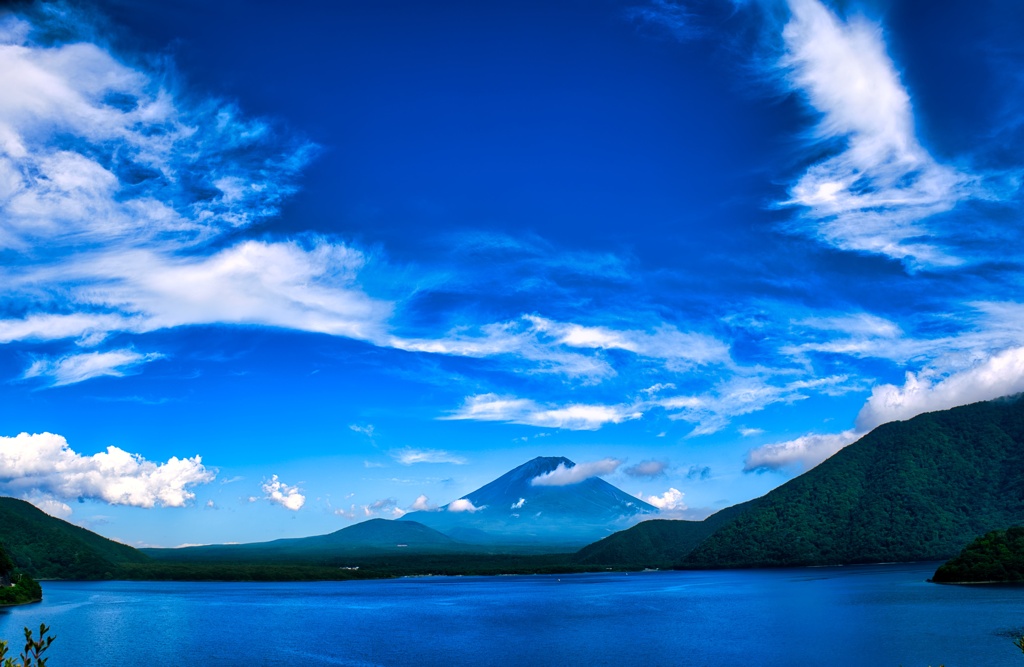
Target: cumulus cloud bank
44, 469
999, 375
563, 476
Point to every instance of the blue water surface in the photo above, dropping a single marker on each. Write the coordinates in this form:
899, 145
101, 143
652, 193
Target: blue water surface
866, 616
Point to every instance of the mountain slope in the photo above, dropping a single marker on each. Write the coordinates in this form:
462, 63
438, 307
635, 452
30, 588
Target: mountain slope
511, 510
915, 490
657, 543
47, 548
373, 537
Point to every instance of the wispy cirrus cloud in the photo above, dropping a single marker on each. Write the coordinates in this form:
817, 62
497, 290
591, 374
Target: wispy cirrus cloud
575, 417
712, 411
873, 194
113, 187
552, 346
76, 368
409, 456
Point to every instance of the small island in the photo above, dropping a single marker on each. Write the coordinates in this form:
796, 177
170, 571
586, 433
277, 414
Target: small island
16, 588
996, 557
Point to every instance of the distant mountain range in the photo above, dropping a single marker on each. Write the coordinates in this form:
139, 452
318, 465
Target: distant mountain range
515, 509
915, 490
369, 538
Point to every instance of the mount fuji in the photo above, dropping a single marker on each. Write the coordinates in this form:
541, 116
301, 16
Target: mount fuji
515, 509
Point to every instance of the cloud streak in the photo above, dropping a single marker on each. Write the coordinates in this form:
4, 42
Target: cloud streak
75, 368
574, 417
874, 194
410, 456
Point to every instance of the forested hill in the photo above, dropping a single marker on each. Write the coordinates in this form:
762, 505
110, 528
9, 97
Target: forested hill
47, 548
657, 543
994, 557
915, 490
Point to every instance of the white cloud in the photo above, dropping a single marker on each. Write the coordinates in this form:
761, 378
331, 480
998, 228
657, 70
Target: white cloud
873, 195
804, 452
43, 469
422, 504
576, 417
563, 476
518, 505
280, 493
670, 501
647, 469
1000, 375
87, 365
409, 456
750, 432
463, 505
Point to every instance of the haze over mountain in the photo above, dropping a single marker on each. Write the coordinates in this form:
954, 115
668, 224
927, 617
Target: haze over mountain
543, 501
376, 536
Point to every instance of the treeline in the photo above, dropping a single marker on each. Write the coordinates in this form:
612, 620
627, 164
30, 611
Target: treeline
369, 567
17, 587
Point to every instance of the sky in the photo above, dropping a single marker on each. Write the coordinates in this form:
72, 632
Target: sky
269, 270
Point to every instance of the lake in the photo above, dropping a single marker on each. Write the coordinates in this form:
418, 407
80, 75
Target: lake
867, 616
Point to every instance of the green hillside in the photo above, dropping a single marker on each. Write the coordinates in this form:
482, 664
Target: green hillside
914, 490
47, 548
658, 543
994, 557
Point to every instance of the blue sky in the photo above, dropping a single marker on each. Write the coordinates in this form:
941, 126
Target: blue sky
269, 271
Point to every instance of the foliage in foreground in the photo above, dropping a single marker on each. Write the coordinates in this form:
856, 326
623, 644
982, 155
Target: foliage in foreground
34, 649
997, 556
